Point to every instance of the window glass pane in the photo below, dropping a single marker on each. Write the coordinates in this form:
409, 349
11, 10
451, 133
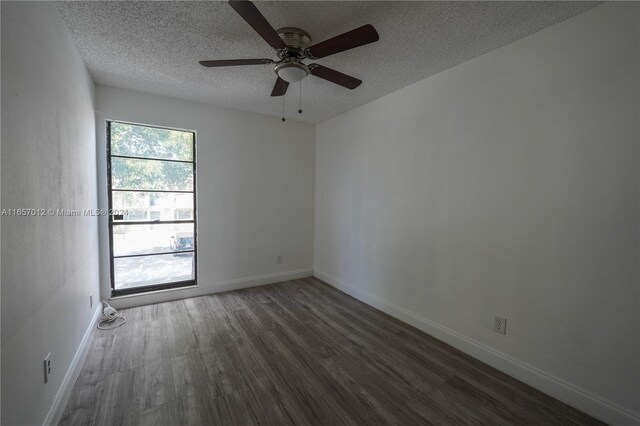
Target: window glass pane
142, 141
152, 270
153, 205
147, 239
129, 173
151, 171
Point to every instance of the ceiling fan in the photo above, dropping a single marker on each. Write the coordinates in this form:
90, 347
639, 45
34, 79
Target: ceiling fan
293, 45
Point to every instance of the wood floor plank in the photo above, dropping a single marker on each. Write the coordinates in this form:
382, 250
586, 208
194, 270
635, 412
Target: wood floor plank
120, 404
191, 390
157, 387
167, 414
292, 353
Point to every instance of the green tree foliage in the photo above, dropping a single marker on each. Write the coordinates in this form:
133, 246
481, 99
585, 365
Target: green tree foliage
137, 174
142, 141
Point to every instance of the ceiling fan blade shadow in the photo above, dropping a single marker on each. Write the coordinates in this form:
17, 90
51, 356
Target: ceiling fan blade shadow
280, 88
359, 37
334, 76
235, 62
250, 13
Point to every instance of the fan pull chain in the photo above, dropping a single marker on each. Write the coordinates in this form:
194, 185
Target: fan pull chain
283, 100
300, 99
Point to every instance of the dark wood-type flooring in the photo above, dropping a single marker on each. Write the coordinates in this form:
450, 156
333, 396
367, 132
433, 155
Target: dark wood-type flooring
298, 352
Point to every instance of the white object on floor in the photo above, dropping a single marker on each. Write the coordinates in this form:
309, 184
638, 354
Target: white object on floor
110, 318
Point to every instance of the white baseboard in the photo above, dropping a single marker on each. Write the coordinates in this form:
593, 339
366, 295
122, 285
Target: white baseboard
161, 296
62, 396
541, 380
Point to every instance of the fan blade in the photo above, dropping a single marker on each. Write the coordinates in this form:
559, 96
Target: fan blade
280, 88
359, 37
334, 76
235, 62
250, 13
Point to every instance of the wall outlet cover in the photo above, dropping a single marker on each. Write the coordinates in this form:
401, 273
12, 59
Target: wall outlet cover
47, 367
500, 325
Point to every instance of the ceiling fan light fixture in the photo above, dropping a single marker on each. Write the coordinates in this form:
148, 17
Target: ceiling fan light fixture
292, 46
291, 72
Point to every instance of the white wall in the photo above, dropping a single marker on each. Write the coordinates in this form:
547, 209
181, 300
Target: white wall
255, 188
507, 185
50, 264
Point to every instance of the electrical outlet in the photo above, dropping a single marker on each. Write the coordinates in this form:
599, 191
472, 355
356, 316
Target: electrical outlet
279, 259
47, 367
500, 325
91, 300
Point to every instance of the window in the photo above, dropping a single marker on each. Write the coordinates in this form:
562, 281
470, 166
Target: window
152, 198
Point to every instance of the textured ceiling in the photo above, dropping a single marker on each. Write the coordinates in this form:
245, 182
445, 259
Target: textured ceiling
155, 46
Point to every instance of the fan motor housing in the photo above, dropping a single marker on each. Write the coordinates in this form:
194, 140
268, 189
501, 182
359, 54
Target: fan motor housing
291, 68
295, 37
